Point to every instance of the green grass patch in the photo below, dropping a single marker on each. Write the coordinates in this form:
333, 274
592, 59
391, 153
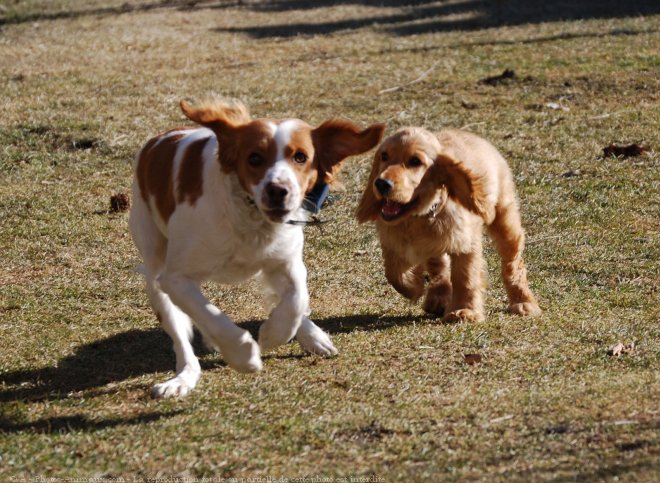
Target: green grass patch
86, 83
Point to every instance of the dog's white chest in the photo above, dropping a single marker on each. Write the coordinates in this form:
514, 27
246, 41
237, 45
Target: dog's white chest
234, 269
235, 254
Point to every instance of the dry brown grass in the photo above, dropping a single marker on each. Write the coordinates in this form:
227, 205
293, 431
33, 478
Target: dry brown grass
86, 83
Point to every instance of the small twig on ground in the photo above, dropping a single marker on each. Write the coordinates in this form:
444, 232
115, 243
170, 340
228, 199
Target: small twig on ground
419, 79
472, 124
531, 241
609, 114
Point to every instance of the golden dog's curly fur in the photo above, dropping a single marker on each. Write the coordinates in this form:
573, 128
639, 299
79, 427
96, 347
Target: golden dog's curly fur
430, 195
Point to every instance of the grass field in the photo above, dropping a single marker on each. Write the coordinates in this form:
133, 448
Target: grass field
85, 83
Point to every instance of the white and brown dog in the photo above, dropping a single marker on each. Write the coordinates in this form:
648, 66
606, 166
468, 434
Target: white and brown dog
214, 203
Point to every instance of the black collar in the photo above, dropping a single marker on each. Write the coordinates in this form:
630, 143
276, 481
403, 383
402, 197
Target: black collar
314, 221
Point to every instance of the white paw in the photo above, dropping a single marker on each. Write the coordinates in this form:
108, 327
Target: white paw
178, 386
313, 340
242, 354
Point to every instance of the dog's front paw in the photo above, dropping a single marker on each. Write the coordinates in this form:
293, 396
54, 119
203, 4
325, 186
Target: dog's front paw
178, 386
463, 315
438, 298
530, 309
243, 354
313, 340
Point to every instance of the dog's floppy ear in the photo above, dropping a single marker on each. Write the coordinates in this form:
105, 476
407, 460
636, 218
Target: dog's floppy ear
223, 118
217, 113
369, 207
464, 186
336, 139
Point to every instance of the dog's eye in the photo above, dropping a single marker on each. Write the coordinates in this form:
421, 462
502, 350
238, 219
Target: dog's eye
255, 159
300, 157
384, 156
415, 162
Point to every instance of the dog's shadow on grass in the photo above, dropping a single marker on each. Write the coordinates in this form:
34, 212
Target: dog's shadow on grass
121, 357
116, 358
77, 422
139, 352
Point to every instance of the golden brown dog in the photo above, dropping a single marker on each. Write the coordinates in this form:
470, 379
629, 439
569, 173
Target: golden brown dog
430, 195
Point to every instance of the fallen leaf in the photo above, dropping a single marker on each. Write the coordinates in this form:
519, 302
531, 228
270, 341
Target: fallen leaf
472, 359
559, 429
620, 348
616, 349
595, 439
82, 144
572, 173
119, 202
631, 446
495, 80
625, 150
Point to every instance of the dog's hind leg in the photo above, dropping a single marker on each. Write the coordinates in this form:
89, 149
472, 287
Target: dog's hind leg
509, 237
152, 245
178, 327
438, 293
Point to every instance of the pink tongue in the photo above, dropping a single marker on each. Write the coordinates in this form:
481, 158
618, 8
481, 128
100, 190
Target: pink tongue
391, 208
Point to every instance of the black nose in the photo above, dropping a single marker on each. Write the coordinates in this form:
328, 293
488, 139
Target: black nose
276, 194
384, 186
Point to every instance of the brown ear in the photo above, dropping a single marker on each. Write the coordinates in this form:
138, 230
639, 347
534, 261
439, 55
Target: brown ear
463, 185
215, 112
199, 114
336, 139
223, 118
369, 207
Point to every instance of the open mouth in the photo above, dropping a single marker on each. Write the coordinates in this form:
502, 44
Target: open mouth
392, 210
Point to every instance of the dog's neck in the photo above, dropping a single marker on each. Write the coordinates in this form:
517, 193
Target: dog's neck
432, 212
434, 206
245, 212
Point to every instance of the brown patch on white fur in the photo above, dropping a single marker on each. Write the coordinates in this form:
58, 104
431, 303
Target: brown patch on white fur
190, 181
154, 171
430, 195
